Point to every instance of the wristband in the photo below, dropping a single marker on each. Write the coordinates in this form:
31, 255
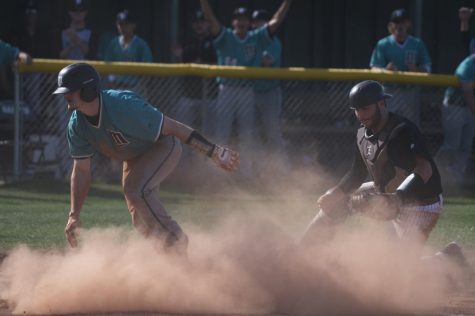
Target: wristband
198, 142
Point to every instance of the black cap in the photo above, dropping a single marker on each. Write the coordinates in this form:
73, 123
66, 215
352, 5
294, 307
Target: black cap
239, 12
125, 16
261, 15
199, 16
366, 93
77, 5
399, 15
31, 7
75, 77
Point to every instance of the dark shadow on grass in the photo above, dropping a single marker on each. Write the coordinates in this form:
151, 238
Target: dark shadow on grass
62, 187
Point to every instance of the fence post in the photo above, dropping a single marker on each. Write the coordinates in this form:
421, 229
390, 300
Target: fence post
16, 126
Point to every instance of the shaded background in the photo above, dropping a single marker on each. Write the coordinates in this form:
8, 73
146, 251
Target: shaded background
316, 33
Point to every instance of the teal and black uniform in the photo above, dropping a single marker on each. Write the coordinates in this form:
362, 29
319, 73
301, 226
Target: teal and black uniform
128, 125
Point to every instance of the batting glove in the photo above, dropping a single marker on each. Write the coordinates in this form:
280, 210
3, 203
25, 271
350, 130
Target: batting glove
71, 228
225, 158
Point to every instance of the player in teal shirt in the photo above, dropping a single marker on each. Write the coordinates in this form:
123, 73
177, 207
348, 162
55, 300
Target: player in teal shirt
238, 47
400, 51
127, 47
458, 121
125, 127
268, 100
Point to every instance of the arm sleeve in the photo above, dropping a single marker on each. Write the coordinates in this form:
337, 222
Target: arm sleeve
79, 147
425, 61
405, 146
146, 53
275, 50
355, 176
8, 53
464, 73
377, 57
220, 40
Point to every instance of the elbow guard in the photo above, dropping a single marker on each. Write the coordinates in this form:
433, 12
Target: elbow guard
410, 187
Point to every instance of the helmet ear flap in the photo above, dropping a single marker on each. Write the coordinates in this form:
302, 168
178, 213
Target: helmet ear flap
88, 93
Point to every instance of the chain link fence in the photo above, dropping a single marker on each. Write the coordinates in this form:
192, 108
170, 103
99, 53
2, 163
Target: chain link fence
297, 125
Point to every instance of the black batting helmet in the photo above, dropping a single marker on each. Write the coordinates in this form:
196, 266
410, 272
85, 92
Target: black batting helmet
366, 93
79, 76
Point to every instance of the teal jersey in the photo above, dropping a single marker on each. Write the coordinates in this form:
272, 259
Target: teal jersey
137, 51
233, 51
8, 53
413, 51
128, 126
465, 72
274, 50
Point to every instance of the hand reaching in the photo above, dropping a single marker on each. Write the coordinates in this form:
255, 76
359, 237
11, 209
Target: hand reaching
225, 158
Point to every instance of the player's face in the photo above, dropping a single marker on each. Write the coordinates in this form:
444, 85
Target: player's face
400, 29
126, 29
201, 27
241, 25
73, 99
368, 115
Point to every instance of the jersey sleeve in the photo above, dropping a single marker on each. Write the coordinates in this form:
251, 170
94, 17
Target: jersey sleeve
139, 118
424, 58
263, 37
79, 147
146, 53
221, 39
406, 145
356, 175
378, 59
275, 51
8, 53
465, 72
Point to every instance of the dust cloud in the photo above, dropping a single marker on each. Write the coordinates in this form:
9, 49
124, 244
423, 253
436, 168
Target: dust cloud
248, 264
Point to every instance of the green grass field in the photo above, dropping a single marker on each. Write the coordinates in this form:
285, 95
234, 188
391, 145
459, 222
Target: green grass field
35, 212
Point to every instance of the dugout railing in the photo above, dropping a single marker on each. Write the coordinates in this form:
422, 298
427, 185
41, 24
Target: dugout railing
317, 126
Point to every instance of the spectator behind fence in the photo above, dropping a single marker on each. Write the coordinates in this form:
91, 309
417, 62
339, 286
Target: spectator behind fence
458, 121
197, 49
402, 52
238, 47
129, 47
29, 36
8, 55
268, 97
36, 41
78, 41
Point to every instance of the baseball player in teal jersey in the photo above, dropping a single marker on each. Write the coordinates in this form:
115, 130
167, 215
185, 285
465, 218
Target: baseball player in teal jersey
402, 52
127, 47
458, 120
9, 54
125, 127
267, 93
238, 47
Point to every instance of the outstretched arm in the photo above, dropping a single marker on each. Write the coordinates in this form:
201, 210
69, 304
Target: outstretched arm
223, 157
215, 26
80, 183
279, 16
